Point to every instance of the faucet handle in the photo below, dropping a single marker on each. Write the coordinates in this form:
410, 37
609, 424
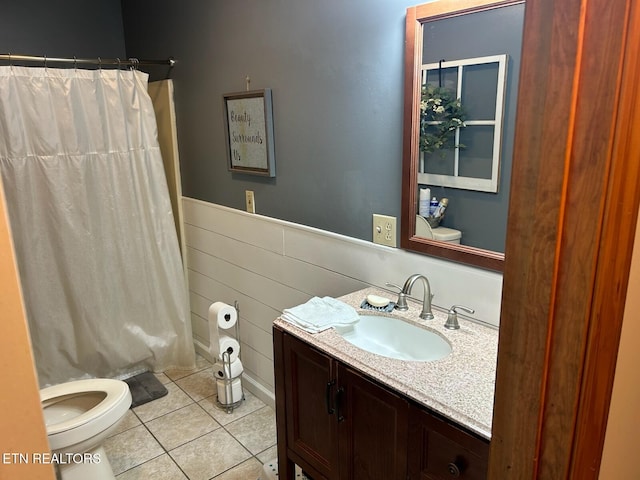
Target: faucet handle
394, 286
401, 304
452, 316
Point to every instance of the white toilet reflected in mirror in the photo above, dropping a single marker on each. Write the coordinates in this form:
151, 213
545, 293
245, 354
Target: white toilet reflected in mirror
440, 234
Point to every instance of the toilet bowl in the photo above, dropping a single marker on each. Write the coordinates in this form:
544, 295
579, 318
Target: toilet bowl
79, 416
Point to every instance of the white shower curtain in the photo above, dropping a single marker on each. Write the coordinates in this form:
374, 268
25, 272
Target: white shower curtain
92, 225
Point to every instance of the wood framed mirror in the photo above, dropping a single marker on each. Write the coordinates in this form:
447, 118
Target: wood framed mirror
421, 23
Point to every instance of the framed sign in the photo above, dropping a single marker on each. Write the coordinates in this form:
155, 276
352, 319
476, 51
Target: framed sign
249, 132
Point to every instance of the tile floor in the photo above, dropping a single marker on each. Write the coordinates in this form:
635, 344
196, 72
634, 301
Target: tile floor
184, 435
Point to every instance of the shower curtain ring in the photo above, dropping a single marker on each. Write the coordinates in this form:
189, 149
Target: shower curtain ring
99, 64
45, 62
75, 62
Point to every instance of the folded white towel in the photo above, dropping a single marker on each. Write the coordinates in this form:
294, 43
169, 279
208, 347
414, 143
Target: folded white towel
319, 314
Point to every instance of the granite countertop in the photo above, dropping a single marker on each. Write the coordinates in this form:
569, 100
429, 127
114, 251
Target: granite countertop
459, 386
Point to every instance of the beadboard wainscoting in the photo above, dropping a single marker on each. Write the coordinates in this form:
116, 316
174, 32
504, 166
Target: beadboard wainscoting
268, 265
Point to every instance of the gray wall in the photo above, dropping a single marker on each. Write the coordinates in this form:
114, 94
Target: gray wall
336, 72
62, 28
335, 68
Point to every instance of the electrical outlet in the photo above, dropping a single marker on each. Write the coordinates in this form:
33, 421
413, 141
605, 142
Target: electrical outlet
251, 201
384, 230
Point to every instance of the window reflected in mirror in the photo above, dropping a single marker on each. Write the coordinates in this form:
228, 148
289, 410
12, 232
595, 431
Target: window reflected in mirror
461, 123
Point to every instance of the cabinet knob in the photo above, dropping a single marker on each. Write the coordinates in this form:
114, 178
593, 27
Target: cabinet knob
454, 470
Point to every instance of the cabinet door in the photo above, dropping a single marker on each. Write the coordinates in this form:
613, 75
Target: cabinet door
440, 451
372, 427
309, 391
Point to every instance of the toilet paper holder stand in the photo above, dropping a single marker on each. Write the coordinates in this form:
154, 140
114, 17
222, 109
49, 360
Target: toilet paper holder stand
229, 404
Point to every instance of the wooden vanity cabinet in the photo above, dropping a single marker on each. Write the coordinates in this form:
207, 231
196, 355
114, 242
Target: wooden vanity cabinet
310, 423
372, 429
442, 451
338, 424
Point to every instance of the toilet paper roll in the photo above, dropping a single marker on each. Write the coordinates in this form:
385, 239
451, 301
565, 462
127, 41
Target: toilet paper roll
223, 315
225, 372
229, 345
229, 392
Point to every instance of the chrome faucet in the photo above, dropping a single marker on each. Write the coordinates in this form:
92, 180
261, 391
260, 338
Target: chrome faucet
401, 304
426, 313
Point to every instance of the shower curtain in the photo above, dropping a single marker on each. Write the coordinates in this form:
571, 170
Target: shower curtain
92, 225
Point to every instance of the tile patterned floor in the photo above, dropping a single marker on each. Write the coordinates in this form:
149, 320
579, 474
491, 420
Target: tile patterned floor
185, 436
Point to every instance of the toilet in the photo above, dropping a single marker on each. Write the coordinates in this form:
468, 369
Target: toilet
441, 234
79, 416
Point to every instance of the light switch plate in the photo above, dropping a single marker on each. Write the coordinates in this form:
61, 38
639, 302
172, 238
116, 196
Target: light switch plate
384, 230
251, 201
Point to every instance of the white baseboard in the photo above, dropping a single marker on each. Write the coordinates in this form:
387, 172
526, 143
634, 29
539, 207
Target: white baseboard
258, 390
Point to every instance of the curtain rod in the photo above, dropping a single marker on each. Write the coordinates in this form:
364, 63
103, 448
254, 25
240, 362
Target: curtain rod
134, 62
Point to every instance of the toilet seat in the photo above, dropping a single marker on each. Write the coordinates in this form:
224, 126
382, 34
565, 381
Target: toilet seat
78, 427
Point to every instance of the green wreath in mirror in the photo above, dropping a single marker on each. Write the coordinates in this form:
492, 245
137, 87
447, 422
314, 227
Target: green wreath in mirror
441, 113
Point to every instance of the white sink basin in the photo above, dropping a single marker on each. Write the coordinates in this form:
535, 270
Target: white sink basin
395, 338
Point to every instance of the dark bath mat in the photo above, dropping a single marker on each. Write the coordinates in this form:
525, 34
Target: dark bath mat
144, 388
